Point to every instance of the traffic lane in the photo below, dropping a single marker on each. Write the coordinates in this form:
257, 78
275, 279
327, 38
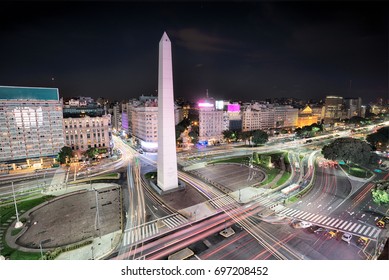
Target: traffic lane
231, 176
240, 246
319, 246
330, 189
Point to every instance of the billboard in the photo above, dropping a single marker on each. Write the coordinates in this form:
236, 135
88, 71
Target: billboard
233, 107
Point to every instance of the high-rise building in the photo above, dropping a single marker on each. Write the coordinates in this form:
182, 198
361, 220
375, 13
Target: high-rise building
167, 178
333, 109
211, 125
353, 107
140, 121
30, 123
116, 117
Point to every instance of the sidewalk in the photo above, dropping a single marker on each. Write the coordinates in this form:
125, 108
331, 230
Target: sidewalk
98, 249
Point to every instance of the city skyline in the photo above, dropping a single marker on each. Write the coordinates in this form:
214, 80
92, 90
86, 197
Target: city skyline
246, 51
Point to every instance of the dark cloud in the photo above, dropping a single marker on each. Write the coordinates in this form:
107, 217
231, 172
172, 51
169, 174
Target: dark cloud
195, 40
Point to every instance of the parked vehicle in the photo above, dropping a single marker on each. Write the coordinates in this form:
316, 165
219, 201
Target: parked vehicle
362, 241
347, 237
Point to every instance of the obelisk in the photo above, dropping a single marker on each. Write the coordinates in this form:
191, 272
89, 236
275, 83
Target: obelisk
167, 156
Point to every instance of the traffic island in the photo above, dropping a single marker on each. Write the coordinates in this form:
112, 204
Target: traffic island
227, 232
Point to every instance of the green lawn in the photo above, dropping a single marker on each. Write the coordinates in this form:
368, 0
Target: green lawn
151, 175
357, 171
271, 174
233, 160
283, 178
6, 212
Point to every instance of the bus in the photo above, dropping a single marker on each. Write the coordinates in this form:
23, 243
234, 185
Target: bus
289, 189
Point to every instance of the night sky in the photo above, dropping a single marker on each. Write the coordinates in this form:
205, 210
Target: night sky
236, 50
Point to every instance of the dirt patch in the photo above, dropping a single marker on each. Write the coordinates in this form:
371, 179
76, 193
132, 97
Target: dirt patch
73, 218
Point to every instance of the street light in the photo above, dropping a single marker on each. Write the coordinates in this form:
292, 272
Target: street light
18, 224
40, 247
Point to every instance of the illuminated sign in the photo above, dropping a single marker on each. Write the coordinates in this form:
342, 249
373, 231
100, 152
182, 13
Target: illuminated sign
233, 107
219, 104
205, 105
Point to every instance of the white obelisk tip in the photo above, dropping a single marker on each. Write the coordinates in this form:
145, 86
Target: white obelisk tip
165, 37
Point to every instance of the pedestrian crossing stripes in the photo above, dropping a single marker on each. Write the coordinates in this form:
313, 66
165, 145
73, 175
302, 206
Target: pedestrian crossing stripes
139, 233
265, 202
331, 222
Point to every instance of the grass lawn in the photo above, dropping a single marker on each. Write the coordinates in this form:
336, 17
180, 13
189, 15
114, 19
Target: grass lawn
283, 178
151, 175
233, 160
271, 174
357, 171
6, 213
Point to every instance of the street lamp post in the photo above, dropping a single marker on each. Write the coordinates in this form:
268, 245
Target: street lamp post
93, 257
41, 250
18, 224
97, 217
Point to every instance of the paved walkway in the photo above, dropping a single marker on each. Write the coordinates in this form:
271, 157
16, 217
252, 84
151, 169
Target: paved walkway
98, 249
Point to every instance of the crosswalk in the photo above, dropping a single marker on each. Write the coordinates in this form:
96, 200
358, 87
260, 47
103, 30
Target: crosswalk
223, 202
266, 202
150, 229
354, 227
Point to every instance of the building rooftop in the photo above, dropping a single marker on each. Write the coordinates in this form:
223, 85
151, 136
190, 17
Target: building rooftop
28, 93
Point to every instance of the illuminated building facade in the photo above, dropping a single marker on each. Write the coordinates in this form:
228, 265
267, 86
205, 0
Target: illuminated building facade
306, 117
140, 121
267, 116
88, 132
30, 123
212, 122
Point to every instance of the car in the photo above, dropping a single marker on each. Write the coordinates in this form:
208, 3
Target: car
380, 223
320, 229
331, 234
303, 225
312, 229
362, 241
347, 237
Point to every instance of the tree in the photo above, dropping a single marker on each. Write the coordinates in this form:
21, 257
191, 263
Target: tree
348, 149
379, 139
356, 120
309, 130
65, 153
229, 135
256, 157
380, 196
260, 137
245, 135
181, 126
91, 152
194, 136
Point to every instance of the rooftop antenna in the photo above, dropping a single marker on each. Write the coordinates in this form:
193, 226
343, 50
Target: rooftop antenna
206, 93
